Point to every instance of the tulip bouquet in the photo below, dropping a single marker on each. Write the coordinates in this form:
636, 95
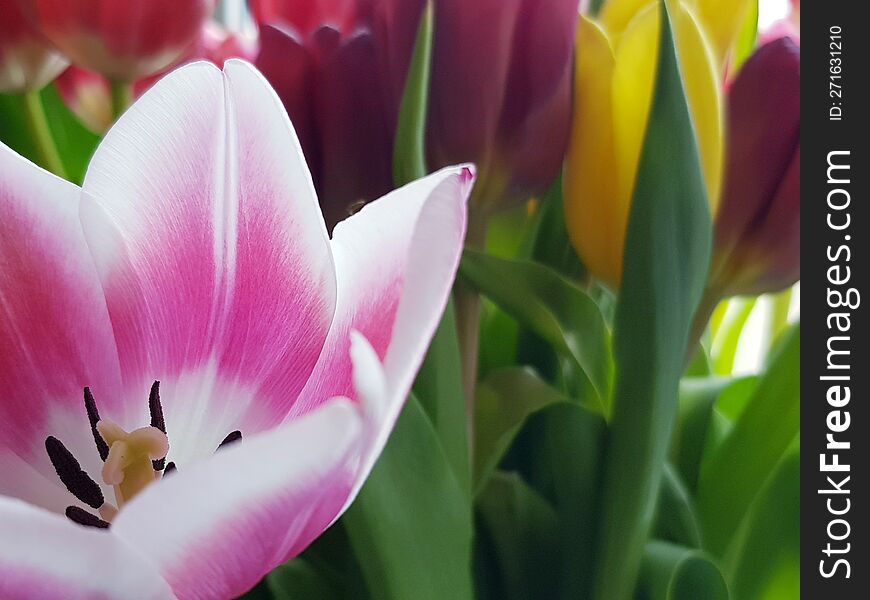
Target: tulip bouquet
398, 299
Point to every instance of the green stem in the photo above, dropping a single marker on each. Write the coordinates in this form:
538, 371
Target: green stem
779, 314
702, 316
468, 304
122, 98
40, 132
730, 336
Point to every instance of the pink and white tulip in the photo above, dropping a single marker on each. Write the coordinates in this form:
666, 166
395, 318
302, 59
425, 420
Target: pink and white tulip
195, 255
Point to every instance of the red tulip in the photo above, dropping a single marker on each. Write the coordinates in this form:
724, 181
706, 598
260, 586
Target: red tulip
500, 91
328, 80
757, 247
27, 61
88, 94
309, 15
123, 40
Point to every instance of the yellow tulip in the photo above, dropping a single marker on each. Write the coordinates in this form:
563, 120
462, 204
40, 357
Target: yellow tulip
614, 78
720, 19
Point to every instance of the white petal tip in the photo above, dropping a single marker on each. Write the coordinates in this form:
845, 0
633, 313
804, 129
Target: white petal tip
369, 378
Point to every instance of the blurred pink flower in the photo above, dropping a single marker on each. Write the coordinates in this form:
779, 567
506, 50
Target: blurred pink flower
121, 40
89, 95
27, 60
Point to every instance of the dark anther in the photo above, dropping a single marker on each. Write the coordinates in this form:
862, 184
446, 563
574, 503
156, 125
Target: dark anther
83, 517
94, 418
234, 436
157, 420
170, 468
71, 474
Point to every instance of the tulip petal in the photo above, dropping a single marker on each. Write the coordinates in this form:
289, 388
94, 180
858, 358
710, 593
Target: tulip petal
763, 134
534, 122
598, 213
470, 73
356, 140
55, 334
43, 555
216, 528
287, 64
617, 14
633, 86
212, 251
395, 263
721, 20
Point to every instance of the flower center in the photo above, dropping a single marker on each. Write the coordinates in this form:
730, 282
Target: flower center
131, 461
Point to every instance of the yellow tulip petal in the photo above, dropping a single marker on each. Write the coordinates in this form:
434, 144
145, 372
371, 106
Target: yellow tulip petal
722, 21
596, 230
636, 56
617, 14
703, 88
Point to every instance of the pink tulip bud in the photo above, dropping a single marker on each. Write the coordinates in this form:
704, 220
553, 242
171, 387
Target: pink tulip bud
121, 40
757, 246
27, 60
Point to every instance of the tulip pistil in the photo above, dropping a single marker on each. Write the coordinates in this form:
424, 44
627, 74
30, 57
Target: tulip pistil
129, 466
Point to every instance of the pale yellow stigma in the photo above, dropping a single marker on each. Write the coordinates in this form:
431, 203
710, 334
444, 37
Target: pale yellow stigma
128, 467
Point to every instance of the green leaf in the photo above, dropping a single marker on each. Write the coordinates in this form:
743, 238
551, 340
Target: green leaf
505, 399
665, 268
300, 580
671, 572
676, 520
410, 527
508, 231
549, 305
550, 244
75, 143
260, 591
409, 155
523, 529
439, 389
728, 339
738, 468
734, 398
558, 452
766, 557
499, 339
692, 437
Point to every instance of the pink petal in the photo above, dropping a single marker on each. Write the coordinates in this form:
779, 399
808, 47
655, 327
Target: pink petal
211, 249
43, 555
216, 528
55, 335
395, 263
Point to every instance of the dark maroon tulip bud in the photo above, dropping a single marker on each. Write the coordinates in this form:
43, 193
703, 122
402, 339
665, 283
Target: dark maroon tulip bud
328, 80
757, 247
500, 89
